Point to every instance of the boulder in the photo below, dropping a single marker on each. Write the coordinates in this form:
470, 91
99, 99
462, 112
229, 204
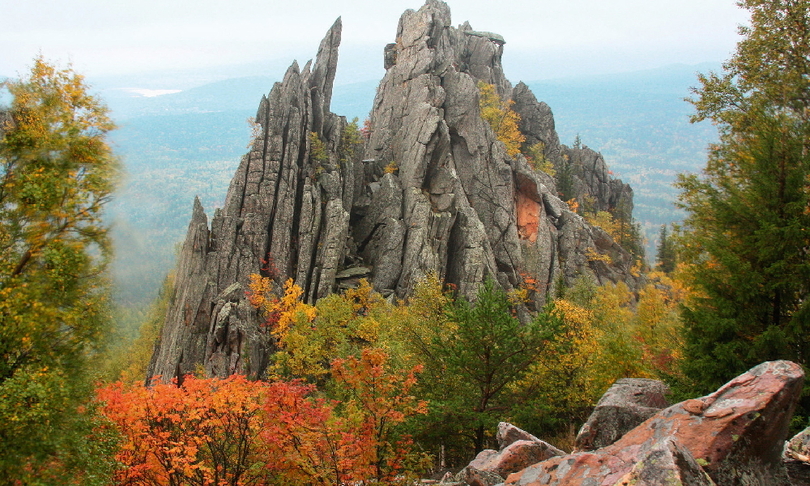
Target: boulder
518, 450
736, 435
666, 464
796, 458
799, 446
519, 455
626, 404
508, 433
476, 477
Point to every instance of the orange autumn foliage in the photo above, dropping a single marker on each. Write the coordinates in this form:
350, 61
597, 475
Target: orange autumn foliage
378, 400
234, 431
201, 433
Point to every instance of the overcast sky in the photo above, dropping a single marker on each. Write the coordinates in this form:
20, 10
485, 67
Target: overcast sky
545, 38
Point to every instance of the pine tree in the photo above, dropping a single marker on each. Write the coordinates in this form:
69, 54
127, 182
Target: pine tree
746, 234
665, 252
565, 179
474, 355
56, 174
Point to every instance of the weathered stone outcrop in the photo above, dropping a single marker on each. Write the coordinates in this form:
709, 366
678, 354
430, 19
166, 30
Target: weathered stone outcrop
515, 457
626, 404
469, 209
286, 214
518, 450
508, 433
732, 437
429, 189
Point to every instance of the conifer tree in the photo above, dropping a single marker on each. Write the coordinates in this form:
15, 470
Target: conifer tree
474, 355
56, 174
665, 256
746, 233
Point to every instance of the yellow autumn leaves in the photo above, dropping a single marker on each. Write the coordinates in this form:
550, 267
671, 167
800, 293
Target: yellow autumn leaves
310, 337
591, 337
501, 117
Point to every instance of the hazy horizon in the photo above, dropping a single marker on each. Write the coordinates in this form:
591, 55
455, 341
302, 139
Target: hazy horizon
183, 40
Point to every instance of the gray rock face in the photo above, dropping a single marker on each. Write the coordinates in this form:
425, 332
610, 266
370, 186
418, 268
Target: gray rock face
429, 189
286, 214
665, 464
626, 404
471, 210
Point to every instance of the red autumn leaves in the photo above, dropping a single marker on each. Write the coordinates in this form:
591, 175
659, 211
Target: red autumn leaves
238, 432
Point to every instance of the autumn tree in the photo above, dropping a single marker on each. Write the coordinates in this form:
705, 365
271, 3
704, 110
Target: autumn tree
310, 337
351, 439
375, 398
558, 388
234, 431
745, 234
596, 335
56, 174
501, 117
203, 432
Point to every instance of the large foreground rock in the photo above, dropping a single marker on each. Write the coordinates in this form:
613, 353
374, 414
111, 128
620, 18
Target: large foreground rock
626, 404
736, 434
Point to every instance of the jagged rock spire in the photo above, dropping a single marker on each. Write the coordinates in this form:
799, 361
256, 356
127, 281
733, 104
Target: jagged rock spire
430, 190
284, 215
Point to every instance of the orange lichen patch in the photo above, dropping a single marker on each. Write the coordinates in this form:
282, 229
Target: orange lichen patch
528, 217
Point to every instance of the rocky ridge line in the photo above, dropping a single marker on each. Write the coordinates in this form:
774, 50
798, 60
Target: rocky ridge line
430, 190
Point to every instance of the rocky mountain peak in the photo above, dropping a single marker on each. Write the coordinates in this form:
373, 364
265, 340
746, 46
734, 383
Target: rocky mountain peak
425, 188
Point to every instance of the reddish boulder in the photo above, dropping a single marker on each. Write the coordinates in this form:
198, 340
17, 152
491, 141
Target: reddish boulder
518, 450
628, 403
508, 433
517, 456
736, 434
